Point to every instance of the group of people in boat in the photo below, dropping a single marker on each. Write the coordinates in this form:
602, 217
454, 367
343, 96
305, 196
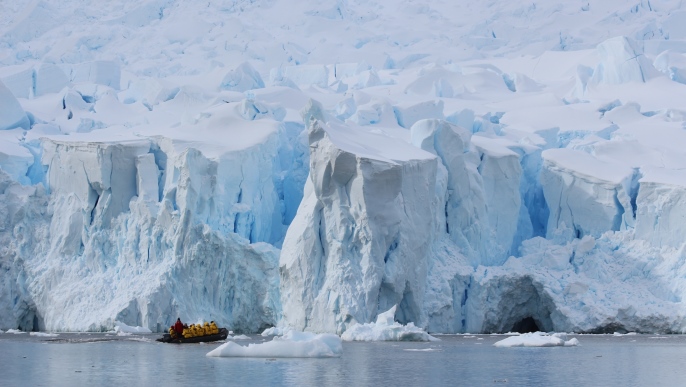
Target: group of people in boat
181, 330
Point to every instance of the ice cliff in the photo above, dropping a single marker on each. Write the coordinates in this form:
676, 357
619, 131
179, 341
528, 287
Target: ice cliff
312, 166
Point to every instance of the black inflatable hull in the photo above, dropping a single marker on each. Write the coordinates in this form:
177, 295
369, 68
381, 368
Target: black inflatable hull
222, 335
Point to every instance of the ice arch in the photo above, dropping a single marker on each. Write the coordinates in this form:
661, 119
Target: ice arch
523, 306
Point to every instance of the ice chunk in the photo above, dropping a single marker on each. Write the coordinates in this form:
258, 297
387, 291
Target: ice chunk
120, 327
12, 114
586, 196
50, 79
238, 337
15, 331
661, 207
43, 334
274, 331
537, 339
409, 113
673, 64
19, 79
304, 75
291, 344
242, 78
101, 72
386, 329
621, 61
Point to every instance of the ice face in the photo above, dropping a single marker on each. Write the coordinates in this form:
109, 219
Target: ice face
359, 240
13, 116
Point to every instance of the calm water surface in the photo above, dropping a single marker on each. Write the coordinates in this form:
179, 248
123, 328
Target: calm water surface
99, 359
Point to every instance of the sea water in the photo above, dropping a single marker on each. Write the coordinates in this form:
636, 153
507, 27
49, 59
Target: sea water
470, 360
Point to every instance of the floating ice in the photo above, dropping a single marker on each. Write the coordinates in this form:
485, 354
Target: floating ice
15, 331
120, 327
274, 331
43, 334
291, 344
537, 339
386, 329
238, 337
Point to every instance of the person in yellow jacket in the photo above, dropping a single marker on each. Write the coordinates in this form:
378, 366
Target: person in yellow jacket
206, 328
188, 332
172, 332
198, 331
213, 328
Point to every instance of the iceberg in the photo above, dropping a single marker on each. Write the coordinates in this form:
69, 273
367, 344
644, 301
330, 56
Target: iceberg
43, 334
291, 344
386, 329
537, 339
121, 328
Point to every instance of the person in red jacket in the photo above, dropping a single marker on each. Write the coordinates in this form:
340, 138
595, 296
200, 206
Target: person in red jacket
178, 327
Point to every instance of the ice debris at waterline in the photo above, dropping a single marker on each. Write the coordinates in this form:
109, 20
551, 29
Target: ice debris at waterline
386, 329
291, 344
537, 339
122, 328
274, 331
43, 334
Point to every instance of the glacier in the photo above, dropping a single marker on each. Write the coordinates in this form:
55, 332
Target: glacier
270, 165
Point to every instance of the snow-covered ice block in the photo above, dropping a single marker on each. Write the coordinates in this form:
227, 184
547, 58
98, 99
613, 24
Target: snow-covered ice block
101, 72
50, 79
386, 329
291, 344
347, 70
621, 61
305, 75
673, 64
661, 207
537, 339
586, 195
19, 79
12, 114
242, 78
409, 113
149, 91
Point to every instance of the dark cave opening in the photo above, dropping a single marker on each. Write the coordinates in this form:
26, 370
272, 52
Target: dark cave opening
526, 325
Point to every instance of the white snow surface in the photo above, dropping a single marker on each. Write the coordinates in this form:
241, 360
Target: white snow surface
310, 165
386, 329
537, 339
291, 344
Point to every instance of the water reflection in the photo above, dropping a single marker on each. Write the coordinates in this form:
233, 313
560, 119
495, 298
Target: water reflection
456, 360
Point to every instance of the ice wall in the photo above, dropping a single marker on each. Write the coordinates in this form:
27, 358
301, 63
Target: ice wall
358, 243
145, 230
585, 195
